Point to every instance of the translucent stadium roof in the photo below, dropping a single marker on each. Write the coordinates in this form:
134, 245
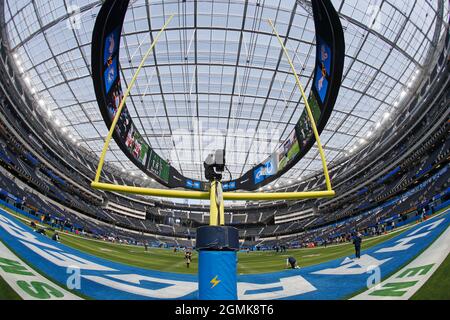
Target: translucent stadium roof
218, 73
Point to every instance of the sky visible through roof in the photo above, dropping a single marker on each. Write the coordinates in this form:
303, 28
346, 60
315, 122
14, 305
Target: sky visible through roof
218, 76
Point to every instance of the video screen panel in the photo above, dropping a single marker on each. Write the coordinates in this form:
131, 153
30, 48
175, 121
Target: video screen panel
110, 75
267, 169
159, 166
315, 108
136, 145
193, 184
124, 122
288, 151
322, 69
111, 45
229, 186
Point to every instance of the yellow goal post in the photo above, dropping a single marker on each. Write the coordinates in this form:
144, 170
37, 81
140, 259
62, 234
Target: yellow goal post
251, 196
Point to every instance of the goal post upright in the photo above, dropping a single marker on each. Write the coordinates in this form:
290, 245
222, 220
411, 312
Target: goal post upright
217, 244
250, 196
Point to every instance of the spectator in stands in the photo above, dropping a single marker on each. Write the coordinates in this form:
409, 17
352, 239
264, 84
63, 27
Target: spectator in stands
357, 242
291, 262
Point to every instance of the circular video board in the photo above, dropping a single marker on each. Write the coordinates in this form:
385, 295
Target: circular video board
327, 77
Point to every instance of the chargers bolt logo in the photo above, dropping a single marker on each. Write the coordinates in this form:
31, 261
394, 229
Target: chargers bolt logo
214, 282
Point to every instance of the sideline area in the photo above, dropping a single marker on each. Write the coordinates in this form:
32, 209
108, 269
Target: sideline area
103, 279
170, 261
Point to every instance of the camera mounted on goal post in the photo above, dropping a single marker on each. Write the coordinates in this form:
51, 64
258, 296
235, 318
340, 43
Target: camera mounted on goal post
215, 165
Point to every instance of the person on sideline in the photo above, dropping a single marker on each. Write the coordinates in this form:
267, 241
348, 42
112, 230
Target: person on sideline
357, 242
55, 237
292, 263
188, 257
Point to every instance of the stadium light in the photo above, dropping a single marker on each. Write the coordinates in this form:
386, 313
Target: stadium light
41, 103
64, 130
33, 90
369, 134
57, 122
403, 94
27, 80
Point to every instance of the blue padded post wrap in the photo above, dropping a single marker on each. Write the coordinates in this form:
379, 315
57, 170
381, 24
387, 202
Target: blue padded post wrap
217, 275
217, 264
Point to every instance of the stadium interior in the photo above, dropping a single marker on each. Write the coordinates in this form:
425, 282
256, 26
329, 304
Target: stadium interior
387, 140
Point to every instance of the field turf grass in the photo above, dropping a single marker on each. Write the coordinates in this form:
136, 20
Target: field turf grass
438, 286
6, 292
169, 261
249, 263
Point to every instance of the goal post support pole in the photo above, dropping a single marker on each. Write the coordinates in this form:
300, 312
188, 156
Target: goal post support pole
217, 247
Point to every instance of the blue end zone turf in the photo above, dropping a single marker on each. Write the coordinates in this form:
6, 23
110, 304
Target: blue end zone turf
102, 279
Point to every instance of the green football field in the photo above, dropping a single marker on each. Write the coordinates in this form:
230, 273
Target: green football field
248, 263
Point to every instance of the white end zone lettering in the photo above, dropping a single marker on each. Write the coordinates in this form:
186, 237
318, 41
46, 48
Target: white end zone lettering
26, 282
284, 288
354, 266
174, 290
404, 283
403, 244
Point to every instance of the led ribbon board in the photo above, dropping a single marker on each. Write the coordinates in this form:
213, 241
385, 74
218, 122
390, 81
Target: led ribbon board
327, 78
